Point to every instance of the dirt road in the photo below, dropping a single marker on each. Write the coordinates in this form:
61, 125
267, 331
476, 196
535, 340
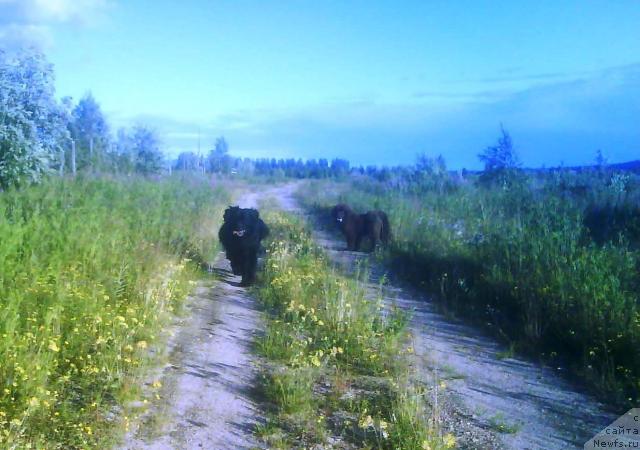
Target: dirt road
206, 397
487, 401
491, 401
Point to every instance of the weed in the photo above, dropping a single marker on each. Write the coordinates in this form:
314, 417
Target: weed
499, 424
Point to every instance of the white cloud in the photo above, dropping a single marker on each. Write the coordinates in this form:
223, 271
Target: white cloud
75, 11
30, 22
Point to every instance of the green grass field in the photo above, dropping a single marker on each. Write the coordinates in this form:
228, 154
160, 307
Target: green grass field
90, 270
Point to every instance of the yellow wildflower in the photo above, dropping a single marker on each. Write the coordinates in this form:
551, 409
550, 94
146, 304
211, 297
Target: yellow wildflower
53, 346
449, 440
365, 422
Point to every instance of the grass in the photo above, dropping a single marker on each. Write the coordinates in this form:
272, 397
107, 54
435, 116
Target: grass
523, 262
501, 425
90, 271
508, 352
336, 362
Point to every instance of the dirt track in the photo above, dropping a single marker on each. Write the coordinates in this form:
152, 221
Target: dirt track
206, 395
484, 391
209, 379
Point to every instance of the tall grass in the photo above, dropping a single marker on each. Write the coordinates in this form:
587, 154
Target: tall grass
89, 271
522, 261
337, 359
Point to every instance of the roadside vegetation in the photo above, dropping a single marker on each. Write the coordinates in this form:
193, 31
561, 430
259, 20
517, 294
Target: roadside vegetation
90, 272
548, 260
97, 243
336, 371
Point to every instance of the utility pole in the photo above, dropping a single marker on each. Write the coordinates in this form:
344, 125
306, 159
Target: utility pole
73, 157
62, 162
115, 158
200, 165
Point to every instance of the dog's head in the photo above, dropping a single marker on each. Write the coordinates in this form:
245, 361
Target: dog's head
231, 213
242, 220
340, 213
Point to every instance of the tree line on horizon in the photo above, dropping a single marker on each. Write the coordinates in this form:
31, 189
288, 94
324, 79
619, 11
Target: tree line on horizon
40, 134
218, 160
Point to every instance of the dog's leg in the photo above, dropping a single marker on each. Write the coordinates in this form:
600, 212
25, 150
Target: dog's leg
236, 266
245, 271
250, 267
350, 243
358, 242
375, 236
253, 267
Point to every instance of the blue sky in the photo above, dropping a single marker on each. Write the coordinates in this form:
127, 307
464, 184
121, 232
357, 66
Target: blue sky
375, 82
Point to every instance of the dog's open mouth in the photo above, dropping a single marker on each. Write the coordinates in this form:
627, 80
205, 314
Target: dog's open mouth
239, 233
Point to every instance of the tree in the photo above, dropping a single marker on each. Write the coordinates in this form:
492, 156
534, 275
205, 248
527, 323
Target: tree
501, 163
601, 161
122, 158
145, 148
339, 167
431, 173
32, 123
218, 159
427, 165
90, 131
64, 154
221, 148
187, 161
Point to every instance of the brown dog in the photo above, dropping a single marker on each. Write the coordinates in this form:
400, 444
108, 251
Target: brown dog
373, 225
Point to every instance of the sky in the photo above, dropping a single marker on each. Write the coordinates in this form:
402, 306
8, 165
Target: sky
376, 82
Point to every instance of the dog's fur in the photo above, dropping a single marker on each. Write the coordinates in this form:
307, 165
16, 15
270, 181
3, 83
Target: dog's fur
373, 225
240, 235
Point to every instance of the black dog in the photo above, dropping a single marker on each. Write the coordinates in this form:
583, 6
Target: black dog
373, 225
240, 235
